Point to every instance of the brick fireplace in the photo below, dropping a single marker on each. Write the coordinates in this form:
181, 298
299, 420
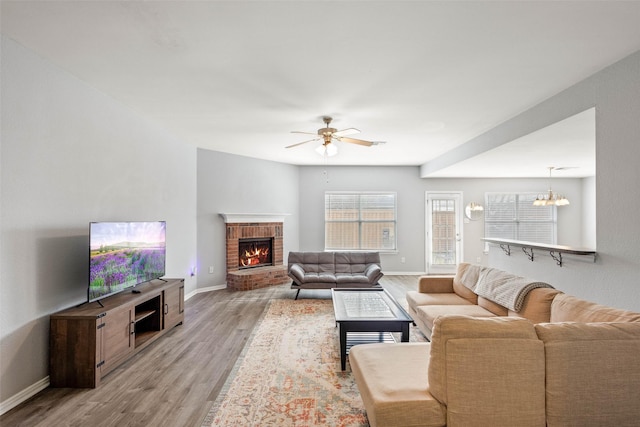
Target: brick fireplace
253, 233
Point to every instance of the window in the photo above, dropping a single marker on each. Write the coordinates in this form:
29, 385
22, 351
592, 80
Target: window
443, 232
513, 216
359, 221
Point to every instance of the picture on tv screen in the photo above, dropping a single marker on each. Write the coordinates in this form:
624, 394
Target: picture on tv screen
124, 254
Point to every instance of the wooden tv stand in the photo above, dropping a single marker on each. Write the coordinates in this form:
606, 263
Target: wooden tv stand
89, 341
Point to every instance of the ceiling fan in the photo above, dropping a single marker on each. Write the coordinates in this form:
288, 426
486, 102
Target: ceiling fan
328, 135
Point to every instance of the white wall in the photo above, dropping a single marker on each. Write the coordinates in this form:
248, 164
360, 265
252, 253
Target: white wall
410, 188
235, 184
410, 206
589, 238
71, 155
613, 279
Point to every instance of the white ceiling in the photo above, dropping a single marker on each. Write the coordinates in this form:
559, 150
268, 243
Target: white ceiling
423, 76
568, 146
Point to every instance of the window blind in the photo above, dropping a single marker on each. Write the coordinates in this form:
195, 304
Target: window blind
513, 216
360, 221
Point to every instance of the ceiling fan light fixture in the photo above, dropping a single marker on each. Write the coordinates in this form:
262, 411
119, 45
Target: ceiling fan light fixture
327, 149
329, 136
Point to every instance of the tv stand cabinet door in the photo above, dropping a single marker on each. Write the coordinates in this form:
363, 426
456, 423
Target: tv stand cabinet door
75, 348
174, 305
117, 337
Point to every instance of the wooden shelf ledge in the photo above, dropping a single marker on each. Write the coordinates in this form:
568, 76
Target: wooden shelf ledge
555, 251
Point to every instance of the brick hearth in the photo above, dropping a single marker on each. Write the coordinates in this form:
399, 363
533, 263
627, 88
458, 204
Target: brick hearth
256, 277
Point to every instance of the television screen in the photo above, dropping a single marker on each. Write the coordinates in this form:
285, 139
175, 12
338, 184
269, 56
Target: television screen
124, 254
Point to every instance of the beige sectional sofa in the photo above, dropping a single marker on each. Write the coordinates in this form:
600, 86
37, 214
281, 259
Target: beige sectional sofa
438, 295
578, 366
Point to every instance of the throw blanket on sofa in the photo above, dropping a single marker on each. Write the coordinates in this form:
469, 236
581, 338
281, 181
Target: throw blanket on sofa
506, 289
471, 274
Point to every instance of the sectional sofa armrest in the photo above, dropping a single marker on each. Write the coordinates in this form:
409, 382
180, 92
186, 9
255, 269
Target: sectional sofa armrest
435, 284
373, 273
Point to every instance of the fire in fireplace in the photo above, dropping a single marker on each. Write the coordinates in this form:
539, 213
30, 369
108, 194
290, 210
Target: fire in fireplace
254, 253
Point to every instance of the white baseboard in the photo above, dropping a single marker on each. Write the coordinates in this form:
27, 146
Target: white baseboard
207, 289
25, 394
224, 285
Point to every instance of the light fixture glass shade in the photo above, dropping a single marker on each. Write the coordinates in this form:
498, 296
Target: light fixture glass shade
475, 206
329, 149
474, 211
550, 199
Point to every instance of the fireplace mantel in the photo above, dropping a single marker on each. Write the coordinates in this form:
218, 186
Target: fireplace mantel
237, 218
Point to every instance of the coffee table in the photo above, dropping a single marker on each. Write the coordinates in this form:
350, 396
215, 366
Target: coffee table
367, 310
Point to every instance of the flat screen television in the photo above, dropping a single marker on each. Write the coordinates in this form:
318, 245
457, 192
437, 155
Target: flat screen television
123, 255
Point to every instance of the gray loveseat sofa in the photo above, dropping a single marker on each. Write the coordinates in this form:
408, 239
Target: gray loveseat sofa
326, 270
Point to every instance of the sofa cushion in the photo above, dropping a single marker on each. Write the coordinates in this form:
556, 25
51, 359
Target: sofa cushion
350, 262
435, 284
505, 288
313, 262
355, 262
466, 276
354, 278
592, 373
319, 278
429, 313
488, 371
493, 307
567, 308
495, 382
537, 305
455, 327
394, 385
415, 299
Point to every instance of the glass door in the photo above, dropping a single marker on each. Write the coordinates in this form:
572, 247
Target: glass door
444, 232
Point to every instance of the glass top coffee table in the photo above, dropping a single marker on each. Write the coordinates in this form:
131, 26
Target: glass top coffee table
367, 310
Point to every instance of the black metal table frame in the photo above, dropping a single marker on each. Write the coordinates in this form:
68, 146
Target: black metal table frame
399, 323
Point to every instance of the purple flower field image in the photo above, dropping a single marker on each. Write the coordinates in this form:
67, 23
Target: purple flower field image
124, 255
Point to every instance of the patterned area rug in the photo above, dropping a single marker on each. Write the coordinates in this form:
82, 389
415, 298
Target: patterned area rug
289, 373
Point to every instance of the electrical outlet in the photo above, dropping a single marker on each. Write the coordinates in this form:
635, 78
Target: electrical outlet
211, 269
478, 260
403, 260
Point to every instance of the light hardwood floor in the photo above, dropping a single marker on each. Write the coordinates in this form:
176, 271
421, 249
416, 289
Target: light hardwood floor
175, 381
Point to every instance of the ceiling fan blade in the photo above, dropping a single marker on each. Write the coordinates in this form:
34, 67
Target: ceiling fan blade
354, 141
306, 133
303, 142
349, 131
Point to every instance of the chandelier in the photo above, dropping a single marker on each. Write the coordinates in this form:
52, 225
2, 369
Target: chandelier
551, 198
